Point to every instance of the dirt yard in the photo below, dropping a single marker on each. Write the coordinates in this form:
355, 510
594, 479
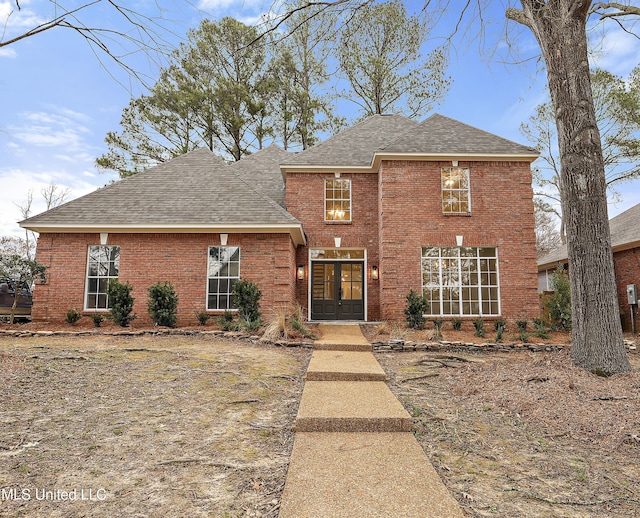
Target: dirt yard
145, 426
520, 434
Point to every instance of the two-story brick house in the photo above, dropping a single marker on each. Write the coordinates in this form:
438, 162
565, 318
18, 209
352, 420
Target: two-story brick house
345, 228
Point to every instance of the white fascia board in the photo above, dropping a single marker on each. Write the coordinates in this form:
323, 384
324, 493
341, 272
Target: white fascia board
295, 230
425, 157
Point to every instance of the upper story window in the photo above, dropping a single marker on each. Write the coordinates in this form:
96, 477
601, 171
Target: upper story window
337, 199
456, 198
223, 273
103, 264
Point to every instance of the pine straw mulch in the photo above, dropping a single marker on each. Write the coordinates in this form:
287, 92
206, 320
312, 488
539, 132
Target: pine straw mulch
521, 434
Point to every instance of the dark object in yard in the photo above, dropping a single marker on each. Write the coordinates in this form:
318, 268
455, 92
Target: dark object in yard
7, 293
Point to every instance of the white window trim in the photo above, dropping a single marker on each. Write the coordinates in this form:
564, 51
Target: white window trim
108, 277
338, 199
460, 299
443, 189
227, 277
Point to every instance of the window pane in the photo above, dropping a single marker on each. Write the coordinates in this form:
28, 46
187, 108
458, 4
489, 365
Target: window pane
102, 265
453, 283
337, 199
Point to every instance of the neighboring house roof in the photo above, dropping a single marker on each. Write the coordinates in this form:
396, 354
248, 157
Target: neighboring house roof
195, 192
625, 234
262, 170
389, 136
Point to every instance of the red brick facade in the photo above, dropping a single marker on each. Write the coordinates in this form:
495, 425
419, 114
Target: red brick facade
398, 210
627, 269
267, 259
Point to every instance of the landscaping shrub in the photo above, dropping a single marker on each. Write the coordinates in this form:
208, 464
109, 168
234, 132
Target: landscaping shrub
437, 326
163, 304
478, 324
541, 328
417, 306
246, 297
456, 323
202, 317
97, 318
522, 325
121, 302
226, 321
72, 316
559, 304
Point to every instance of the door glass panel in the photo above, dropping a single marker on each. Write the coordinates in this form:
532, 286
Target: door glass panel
323, 281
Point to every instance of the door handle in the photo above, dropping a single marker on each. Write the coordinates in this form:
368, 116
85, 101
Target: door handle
340, 294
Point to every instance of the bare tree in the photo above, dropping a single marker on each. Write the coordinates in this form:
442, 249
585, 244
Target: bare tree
149, 34
559, 27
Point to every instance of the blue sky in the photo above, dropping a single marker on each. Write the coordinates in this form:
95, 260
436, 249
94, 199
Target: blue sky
57, 102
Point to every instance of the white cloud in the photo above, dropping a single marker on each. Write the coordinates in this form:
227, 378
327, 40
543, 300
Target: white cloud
7, 53
61, 128
614, 50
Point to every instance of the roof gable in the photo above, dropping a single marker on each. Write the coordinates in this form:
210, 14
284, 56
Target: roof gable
262, 170
441, 135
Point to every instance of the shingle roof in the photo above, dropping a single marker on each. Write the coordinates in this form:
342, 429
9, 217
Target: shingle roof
395, 134
196, 189
441, 135
356, 145
262, 170
625, 233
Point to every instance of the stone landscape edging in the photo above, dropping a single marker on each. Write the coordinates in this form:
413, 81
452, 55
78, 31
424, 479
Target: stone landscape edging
377, 346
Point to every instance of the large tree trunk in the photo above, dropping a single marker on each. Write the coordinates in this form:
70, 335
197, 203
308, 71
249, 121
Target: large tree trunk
560, 28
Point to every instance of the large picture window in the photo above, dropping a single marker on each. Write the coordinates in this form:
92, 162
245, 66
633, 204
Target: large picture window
461, 281
103, 264
223, 273
337, 196
455, 190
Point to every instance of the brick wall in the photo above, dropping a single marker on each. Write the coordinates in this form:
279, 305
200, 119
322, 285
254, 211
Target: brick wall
627, 269
267, 259
305, 201
501, 216
398, 211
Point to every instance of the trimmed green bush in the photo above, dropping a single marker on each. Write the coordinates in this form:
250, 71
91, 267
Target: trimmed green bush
202, 317
417, 306
72, 316
97, 318
120, 302
246, 297
163, 304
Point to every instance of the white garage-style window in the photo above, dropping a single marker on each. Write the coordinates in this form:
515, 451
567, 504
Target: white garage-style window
103, 264
223, 273
461, 281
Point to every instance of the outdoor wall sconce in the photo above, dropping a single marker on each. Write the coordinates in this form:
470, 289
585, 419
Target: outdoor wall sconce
300, 272
375, 275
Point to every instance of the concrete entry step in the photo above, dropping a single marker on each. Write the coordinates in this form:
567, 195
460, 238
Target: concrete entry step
342, 337
350, 406
338, 346
344, 475
327, 365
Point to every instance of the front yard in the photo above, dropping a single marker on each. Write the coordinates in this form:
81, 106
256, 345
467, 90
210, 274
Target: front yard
145, 426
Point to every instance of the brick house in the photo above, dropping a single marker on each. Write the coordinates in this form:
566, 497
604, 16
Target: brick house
625, 243
345, 228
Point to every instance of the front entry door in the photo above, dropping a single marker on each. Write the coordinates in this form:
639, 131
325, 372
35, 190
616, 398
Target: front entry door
337, 290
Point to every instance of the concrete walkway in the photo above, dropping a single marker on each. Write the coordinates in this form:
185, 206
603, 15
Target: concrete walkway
354, 454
